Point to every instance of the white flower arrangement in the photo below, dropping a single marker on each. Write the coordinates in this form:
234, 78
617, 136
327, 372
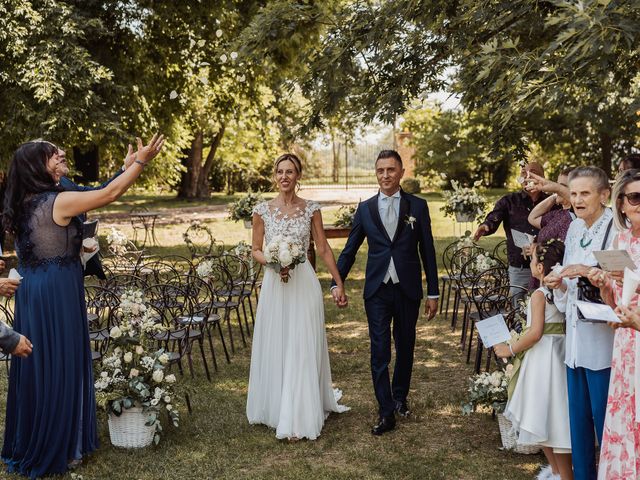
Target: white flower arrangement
243, 250
117, 241
484, 262
464, 201
205, 269
488, 390
132, 371
283, 252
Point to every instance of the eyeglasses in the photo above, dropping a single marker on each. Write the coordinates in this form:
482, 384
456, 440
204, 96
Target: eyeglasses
633, 198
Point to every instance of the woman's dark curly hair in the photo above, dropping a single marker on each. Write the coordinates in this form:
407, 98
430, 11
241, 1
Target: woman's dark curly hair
27, 176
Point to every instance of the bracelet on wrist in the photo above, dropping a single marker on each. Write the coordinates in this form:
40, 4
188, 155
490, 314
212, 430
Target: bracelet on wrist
144, 164
511, 350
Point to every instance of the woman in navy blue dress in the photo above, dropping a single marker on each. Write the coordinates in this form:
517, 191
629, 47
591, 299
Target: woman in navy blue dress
51, 413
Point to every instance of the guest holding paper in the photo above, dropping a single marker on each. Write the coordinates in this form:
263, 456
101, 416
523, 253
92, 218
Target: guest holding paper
620, 451
588, 345
537, 405
512, 211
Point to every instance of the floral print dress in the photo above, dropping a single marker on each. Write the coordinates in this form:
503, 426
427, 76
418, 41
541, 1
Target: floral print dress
620, 452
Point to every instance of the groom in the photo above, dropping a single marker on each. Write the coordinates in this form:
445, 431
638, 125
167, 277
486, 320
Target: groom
398, 231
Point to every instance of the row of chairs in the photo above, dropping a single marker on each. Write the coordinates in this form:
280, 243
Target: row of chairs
479, 293
192, 309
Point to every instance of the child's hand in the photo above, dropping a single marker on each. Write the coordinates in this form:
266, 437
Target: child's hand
502, 350
552, 281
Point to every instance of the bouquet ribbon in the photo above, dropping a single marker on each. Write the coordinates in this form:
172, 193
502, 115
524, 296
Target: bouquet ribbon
549, 329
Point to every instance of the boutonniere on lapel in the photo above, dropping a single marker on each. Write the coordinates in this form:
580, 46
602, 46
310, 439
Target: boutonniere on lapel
409, 220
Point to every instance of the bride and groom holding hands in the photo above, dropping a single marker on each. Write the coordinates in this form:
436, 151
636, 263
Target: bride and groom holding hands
290, 386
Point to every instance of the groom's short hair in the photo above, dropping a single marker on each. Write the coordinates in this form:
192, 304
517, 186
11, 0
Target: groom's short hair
389, 154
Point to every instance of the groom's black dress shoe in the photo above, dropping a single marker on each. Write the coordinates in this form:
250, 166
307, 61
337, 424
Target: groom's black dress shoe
402, 409
385, 424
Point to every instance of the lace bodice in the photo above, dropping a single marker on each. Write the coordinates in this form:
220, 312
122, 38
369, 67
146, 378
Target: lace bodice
40, 241
296, 225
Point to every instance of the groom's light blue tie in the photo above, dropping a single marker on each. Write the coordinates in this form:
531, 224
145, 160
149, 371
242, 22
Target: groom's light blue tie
390, 223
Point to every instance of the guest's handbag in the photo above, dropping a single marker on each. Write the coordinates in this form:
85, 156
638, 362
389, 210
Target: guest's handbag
587, 292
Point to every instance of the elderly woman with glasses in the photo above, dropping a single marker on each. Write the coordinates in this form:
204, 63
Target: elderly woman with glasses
588, 345
620, 451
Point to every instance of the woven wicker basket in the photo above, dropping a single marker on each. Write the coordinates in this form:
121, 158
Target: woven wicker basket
510, 439
129, 429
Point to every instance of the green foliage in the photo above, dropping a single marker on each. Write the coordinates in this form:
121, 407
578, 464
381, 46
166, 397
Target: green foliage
410, 185
242, 209
344, 217
554, 73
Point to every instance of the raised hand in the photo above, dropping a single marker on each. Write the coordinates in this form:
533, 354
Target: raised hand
536, 183
130, 158
148, 152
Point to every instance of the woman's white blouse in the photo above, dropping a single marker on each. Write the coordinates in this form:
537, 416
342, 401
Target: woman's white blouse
588, 345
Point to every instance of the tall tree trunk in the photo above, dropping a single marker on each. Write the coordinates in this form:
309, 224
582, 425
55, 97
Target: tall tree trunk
335, 170
605, 147
193, 162
203, 189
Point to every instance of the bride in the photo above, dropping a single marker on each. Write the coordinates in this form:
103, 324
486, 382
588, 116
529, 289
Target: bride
290, 378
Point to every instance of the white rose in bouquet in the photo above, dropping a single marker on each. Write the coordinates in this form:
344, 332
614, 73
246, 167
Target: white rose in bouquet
170, 378
158, 375
286, 258
128, 357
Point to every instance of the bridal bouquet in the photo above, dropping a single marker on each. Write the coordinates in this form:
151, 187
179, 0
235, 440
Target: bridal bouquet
284, 252
132, 372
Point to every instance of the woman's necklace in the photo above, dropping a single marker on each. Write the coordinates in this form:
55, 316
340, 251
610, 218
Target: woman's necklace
590, 233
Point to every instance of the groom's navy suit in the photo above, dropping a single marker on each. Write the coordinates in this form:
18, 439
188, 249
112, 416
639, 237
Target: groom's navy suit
399, 302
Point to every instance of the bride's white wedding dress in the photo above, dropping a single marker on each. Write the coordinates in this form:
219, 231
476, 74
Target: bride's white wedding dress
290, 379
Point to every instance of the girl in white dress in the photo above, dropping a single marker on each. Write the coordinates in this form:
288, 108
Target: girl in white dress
538, 405
290, 385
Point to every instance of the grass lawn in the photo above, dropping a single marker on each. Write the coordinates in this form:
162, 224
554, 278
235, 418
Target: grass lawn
217, 442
